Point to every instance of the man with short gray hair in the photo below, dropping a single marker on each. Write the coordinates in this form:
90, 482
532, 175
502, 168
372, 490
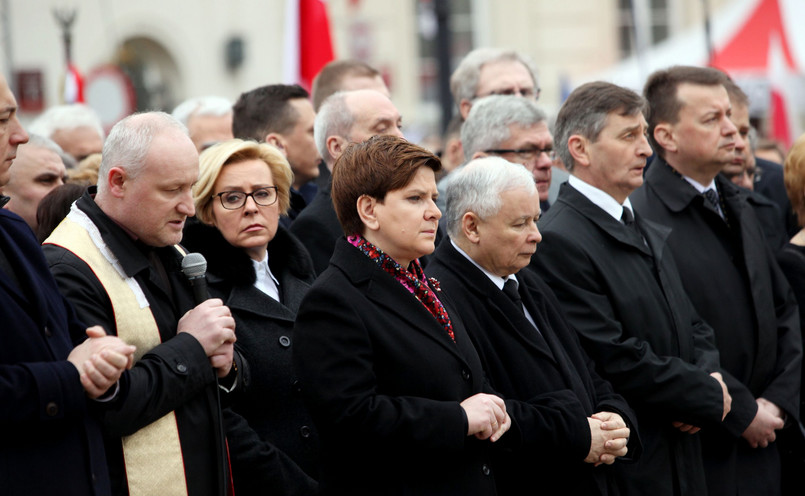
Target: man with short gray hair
76, 128
208, 119
492, 71
37, 171
514, 129
345, 117
529, 351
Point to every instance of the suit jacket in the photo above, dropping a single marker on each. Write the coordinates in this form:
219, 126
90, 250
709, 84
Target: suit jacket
384, 383
523, 363
317, 227
51, 442
736, 285
175, 375
268, 395
769, 183
625, 299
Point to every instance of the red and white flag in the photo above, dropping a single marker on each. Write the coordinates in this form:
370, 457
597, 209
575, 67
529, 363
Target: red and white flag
308, 46
73, 85
782, 126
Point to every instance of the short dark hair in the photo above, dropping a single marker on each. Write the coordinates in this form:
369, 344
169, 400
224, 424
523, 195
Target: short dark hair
374, 167
54, 207
586, 110
266, 110
660, 92
328, 80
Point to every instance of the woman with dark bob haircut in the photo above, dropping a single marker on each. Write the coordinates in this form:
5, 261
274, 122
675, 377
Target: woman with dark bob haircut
394, 384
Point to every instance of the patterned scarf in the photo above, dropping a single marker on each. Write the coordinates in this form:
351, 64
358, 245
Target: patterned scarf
413, 280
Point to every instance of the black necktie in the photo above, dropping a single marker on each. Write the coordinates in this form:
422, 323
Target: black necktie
510, 288
711, 196
627, 217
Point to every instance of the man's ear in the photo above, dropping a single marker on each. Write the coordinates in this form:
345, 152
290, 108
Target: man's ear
579, 149
277, 141
665, 137
469, 227
464, 108
479, 154
336, 146
117, 181
366, 210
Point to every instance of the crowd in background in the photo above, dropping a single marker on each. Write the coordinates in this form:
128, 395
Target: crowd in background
605, 304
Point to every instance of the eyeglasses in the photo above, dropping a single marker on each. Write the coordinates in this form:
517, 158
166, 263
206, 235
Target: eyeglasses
523, 92
527, 153
233, 200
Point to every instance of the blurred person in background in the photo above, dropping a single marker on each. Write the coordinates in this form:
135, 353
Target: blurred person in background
208, 119
76, 128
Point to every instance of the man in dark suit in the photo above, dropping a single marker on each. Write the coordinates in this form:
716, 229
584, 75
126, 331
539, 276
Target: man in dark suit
526, 346
729, 272
51, 444
620, 289
344, 118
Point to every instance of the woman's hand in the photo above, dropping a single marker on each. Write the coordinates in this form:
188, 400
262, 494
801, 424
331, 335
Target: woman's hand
486, 415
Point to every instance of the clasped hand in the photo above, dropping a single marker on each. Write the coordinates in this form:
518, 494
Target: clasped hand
486, 415
608, 438
100, 360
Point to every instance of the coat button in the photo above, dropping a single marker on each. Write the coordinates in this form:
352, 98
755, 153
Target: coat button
465, 375
48, 332
304, 431
485, 469
181, 368
285, 341
52, 409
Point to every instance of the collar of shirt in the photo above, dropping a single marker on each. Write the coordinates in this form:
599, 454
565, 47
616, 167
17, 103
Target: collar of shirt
496, 280
699, 187
599, 197
266, 282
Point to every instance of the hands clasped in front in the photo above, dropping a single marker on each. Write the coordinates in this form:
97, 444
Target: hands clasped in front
100, 360
608, 438
212, 324
486, 416
727, 406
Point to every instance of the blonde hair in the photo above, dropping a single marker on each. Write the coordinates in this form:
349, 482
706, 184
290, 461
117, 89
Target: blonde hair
794, 175
86, 173
216, 157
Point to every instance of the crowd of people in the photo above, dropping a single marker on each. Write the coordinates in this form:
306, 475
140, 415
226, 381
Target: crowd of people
282, 295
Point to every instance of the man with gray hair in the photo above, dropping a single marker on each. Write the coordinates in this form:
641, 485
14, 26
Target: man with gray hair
37, 171
208, 119
512, 128
345, 117
114, 257
529, 350
76, 128
622, 292
492, 71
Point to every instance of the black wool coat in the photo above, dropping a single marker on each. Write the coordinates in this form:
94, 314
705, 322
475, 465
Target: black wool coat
625, 299
284, 456
524, 364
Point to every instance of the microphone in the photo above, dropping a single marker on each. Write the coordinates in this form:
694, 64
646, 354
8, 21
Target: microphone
194, 268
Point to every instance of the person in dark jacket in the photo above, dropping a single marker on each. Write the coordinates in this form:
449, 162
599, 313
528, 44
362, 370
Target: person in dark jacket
52, 442
527, 347
261, 272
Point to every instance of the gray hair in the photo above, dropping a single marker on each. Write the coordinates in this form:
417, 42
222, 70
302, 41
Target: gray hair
66, 117
204, 105
130, 140
464, 80
39, 141
477, 186
334, 118
752, 139
487, 125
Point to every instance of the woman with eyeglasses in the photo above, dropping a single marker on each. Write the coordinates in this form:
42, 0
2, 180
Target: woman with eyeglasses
261, 272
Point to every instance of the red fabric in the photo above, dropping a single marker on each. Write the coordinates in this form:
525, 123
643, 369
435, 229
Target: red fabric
748, 49
778, 119
315, 45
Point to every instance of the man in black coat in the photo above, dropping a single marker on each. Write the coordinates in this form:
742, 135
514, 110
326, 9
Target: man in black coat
168, 434
729, 272
619, 286
52, 441
344, 118
527, 348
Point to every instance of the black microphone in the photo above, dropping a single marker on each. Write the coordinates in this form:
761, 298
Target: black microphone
194, 267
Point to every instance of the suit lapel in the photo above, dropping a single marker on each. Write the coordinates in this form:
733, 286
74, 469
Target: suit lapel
251, 299
381, 288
